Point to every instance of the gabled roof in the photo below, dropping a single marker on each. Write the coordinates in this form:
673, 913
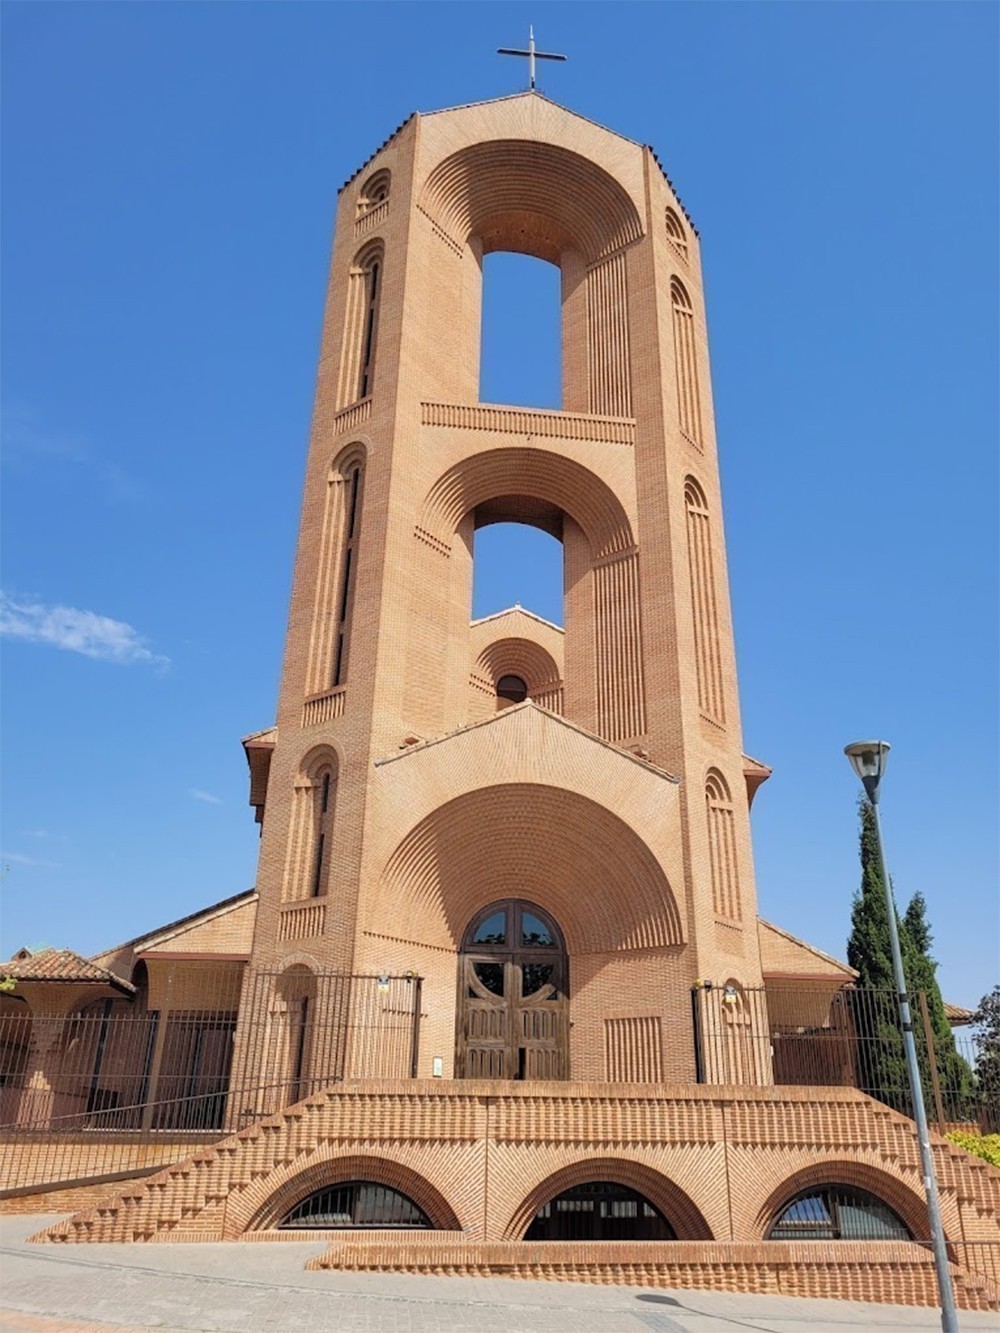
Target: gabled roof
519, 97
514, 97
498, 719
61, 965
518, 610
785, 955
161, 933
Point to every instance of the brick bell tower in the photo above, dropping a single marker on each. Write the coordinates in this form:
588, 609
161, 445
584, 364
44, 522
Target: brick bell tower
549, 826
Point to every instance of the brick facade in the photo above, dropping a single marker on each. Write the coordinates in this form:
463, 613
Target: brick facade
401, 796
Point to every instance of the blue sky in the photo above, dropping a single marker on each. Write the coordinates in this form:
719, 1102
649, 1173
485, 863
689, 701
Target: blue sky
170, 176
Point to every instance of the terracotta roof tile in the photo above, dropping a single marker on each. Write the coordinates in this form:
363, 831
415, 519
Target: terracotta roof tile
958, 1016
60, 965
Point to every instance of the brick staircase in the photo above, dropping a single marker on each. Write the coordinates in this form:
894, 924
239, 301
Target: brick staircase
481, 1152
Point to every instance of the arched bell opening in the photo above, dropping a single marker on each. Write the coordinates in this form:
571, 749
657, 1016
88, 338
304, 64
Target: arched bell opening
542, 200
513, 995
604, 686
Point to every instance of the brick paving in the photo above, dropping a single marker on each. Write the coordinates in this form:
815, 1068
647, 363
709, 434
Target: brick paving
239, 1288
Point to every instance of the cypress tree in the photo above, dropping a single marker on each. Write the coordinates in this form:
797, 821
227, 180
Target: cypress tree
954, 1074
881, 1061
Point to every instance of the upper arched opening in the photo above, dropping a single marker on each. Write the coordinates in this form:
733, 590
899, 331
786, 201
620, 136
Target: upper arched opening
532, 198
527, 486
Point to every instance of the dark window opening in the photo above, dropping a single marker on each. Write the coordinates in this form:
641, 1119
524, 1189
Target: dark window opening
371, 322
317, 883
512, 688
837, 1212
358, 1203
600, 1210
348, 571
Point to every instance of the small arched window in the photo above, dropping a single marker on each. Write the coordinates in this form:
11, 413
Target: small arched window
722, 846
686, 360
375, 191
837, 1212
291, 1028
357, 1204
511, 690
311, 833
675, 234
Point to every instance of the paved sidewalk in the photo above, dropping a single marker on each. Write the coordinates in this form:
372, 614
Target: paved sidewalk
243, 1288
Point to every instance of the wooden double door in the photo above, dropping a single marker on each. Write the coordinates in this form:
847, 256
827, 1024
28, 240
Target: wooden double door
513, 1002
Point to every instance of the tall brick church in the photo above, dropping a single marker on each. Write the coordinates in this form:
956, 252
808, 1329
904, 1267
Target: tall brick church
501, 982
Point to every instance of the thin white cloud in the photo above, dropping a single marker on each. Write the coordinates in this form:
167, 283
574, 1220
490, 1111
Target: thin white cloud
205, 796
76, 631
19, 859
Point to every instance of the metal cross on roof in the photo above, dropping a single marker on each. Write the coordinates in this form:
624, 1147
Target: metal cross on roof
531, 54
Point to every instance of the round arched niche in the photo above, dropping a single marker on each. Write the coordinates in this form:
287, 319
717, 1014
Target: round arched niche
512, 659
570, 855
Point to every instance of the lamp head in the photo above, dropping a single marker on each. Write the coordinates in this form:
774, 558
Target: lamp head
868, 759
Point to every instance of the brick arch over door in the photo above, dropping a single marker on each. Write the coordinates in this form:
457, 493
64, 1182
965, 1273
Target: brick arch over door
860, 1175
532, 197
272, 1197
676, 1206
562, 851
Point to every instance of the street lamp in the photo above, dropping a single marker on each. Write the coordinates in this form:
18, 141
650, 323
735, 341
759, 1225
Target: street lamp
868, 759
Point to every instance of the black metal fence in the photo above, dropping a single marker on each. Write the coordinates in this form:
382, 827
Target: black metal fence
119, 1066
850, 1038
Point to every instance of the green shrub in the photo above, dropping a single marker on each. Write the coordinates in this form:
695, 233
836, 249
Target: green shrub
986, 1146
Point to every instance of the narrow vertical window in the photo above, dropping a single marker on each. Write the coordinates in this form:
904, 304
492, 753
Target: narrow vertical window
685, 358
352, 507
364, 294
336, 576
319, 852
704, 603
371, 276
722, 847
675, 234
310, 838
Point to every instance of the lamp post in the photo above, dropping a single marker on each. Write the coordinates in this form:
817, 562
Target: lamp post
868, 759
